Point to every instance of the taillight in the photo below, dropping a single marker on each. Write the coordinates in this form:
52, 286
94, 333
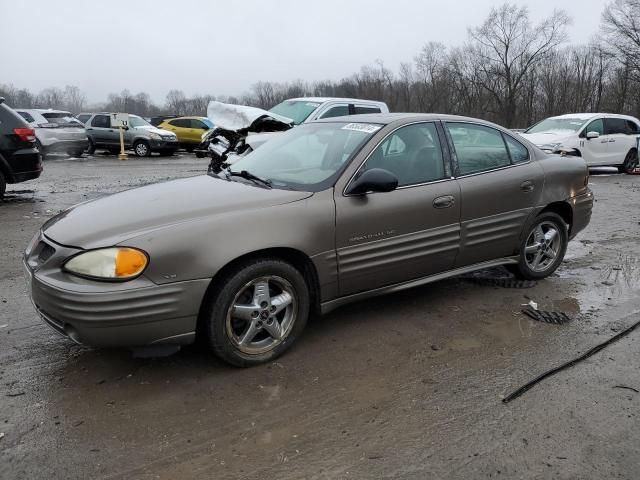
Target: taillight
25, 134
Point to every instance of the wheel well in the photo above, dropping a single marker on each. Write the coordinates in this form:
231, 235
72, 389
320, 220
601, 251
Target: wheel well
290, 255
563, 209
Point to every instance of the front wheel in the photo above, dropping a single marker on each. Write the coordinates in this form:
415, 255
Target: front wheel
258, 311
543, 247
630, 162
141, 149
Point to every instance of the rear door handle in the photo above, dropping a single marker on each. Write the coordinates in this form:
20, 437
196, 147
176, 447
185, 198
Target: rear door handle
527, 186
612, 140
445, 201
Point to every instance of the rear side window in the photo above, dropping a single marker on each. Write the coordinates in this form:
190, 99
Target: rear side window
595, 126
615, 125
181, 123
337, 111
101, 121
518, 152
632, 127
361, 109
9, 119
478, 148
27, 116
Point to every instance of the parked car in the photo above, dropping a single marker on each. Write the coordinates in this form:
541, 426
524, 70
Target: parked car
330, 212
20, 160
307, 109
602, 139
158, 119
141, 136
57, 131
189, 130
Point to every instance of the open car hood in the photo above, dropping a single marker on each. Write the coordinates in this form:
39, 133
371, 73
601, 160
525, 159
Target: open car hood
241, 117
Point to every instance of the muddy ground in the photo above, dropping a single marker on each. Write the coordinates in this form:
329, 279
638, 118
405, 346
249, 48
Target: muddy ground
404, 386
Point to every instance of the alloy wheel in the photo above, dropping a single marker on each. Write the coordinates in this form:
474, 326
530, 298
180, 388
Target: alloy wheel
262, 314
543, 246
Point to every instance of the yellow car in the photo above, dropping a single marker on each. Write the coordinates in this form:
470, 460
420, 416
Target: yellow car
189, 130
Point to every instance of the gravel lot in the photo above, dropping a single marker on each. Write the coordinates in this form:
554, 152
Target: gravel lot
404, 386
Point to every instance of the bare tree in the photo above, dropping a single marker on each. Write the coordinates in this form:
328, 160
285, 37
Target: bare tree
621, 27
507, 47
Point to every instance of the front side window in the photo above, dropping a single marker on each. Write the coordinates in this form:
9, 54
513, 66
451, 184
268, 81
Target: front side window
181, 123
337, 111
478, 148
307, 158
595, 126
101, 121
83, 118
412, 153
298, 110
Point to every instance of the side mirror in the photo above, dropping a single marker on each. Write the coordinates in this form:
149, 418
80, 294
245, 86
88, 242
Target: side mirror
374, 180
591, 135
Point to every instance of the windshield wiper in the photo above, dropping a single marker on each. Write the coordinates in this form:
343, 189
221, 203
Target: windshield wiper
247, 176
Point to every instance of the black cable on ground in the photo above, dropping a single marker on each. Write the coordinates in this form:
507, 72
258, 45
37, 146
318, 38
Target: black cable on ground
553, 371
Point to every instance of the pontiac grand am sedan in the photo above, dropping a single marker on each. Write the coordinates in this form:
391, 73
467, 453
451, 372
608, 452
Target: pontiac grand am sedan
330, 212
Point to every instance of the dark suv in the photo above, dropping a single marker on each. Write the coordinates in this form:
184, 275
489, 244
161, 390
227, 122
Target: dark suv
19, 157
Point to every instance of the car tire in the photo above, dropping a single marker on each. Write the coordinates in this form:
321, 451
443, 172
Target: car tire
270, 320
114, 151
630, 162
189, 149
141, 149
3, 185
91, 148
167, 153
75, 153
542, 252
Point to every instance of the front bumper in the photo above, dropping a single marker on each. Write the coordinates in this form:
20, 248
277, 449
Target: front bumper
164, 145
108, 314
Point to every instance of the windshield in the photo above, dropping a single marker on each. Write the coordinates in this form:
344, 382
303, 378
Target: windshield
308, 158
207, 122
558, 125
138, 122
298, 111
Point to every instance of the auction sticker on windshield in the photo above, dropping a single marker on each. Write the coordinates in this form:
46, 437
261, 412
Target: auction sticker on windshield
362, 127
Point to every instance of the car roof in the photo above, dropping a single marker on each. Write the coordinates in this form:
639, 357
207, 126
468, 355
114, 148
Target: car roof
587, 116
388, 118
186, 116
331, 99
42, 110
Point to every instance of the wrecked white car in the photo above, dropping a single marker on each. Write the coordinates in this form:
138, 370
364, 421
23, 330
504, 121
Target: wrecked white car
241, 129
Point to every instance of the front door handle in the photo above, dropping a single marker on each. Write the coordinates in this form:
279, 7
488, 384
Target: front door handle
612, 140
445, 201
527, 186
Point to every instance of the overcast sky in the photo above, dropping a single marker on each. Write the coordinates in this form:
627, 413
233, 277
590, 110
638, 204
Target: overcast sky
222, 47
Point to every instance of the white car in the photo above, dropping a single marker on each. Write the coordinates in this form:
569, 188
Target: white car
56, 131
602, 139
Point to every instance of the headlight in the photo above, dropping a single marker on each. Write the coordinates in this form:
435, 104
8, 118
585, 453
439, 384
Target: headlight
155, 136
117, 263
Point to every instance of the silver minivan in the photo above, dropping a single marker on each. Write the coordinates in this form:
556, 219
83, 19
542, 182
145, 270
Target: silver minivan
56, 131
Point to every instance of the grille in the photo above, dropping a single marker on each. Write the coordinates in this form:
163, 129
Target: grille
46, 251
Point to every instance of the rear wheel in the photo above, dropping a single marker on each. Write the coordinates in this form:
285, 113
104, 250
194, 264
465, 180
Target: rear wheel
258, 311
543, 247
630, 162
141, 149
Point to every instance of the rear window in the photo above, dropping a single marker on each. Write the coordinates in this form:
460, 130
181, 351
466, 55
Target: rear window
60, 118
9, 119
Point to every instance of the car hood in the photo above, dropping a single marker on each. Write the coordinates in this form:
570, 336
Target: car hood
545, 138
151, 128
237, 117
113, 219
